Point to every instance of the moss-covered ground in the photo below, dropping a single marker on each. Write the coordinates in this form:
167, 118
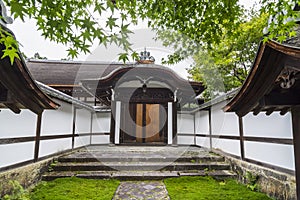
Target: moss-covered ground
208, 188
188, 188
75, 188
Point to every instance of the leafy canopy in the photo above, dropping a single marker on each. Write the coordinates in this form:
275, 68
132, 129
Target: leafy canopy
225, 65
79, 24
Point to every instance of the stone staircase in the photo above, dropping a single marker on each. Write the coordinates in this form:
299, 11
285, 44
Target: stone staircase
138, 163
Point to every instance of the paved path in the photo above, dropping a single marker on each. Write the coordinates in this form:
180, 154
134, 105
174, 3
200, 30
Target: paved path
140, 190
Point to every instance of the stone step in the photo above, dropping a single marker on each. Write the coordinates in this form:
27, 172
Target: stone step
117, 158
139, 175
139, 166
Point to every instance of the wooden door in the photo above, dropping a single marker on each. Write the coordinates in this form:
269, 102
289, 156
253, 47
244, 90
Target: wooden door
148, 124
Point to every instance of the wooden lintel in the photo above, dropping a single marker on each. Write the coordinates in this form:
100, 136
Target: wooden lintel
282, 99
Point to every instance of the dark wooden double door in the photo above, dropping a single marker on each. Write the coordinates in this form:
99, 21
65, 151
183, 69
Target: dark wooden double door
143, 123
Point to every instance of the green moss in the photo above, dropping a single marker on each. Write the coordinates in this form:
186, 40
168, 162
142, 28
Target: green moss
75, 188
208, 188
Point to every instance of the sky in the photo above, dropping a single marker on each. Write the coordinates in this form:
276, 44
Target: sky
31, 42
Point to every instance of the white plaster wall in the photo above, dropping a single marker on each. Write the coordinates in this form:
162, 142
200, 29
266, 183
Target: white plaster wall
83, 121
48, 147
101, 124
274, 125
224, 123
275, 154
203, 142
82, 141
229, 146
100, 139
17, 125
185, 140
58, 122
16, 153
202, 122
185, 123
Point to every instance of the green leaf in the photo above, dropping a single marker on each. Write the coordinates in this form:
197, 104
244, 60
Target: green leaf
11, 53
18, 9
135, 56
72, 52
123, 57
111, 22
99, 7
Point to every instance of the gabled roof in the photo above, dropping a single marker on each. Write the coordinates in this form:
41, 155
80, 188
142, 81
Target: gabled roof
273, 81
70, 76
66, 75
18, 89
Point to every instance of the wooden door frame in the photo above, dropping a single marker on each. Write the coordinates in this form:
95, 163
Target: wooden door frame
163, 130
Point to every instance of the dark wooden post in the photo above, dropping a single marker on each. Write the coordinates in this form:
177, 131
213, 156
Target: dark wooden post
74, 128
112, 122
37, 137
241, 130
296, 137
210, 129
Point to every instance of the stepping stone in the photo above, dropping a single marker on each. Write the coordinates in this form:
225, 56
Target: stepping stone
140, 190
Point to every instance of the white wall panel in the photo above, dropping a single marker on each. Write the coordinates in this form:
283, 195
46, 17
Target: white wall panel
202, 122
275, 154
82, 141
17, 125
16, 153
274, 125
100, 139
185, 140
48, 147
203, 142
101, 123
185, 123
58, 121
229, 146
83, 121
224, 123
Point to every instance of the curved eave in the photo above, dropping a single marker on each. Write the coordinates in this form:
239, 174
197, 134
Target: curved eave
102, 87
157, 72
17, 80
270, 60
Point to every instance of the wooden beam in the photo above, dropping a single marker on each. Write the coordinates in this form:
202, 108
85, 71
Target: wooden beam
3, 93
37, 137
13, 107
296, 134
279, 99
